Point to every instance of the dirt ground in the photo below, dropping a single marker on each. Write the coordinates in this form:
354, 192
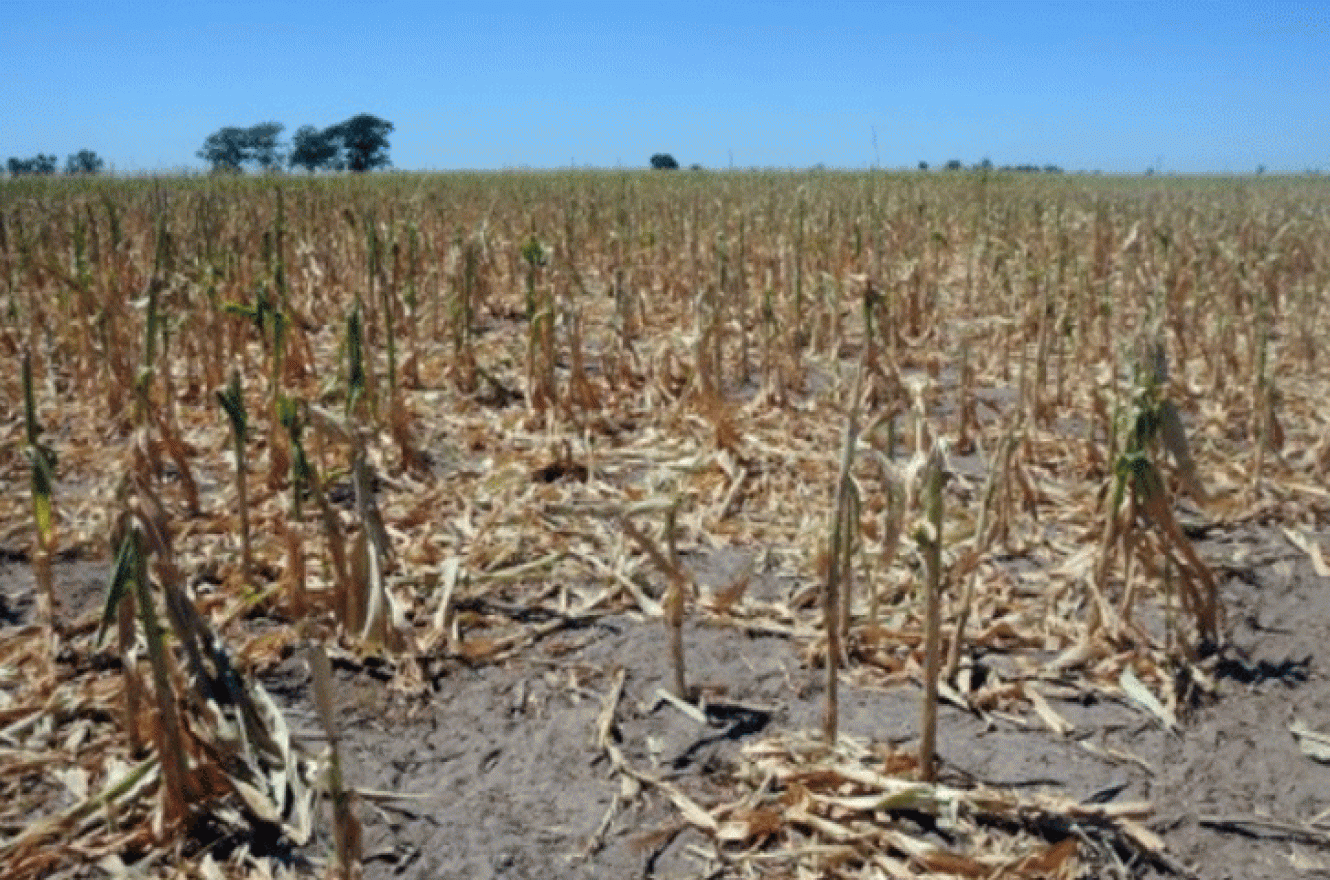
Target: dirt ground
504, 778
496, 773
499, 773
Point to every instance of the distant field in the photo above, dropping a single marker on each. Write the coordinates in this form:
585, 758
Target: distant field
493, 424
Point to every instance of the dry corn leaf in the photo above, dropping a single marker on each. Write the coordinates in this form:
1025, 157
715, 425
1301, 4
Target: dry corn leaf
1311, 548
1054, 721
1052, 860
750, 824
1314, 744
1138, 693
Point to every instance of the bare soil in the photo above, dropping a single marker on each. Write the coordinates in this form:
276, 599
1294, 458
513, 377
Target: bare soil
502, 776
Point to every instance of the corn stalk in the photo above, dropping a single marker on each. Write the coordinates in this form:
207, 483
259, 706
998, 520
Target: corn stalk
929, 537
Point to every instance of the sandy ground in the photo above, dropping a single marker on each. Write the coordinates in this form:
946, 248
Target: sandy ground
506, 780
509, 783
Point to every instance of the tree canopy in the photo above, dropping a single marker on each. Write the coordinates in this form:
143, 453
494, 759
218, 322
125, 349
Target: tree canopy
232, 148
364, 140
84, 162
356, 144
38, 164
263, 146
312, 148
663, 162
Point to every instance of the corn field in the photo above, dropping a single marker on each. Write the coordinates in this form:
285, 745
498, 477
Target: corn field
430, 421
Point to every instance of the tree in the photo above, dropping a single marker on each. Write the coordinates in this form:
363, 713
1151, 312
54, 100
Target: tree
954, 165
261, 141
84, 162
38, 164
224, 149
663, 162
923, 166
313, 149
232, 147
364, 140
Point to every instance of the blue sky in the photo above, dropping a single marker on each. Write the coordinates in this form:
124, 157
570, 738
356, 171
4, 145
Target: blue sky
1185, 87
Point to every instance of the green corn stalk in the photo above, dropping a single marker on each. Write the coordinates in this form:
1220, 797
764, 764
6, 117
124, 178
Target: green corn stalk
533, 252
170, 746
163, 258
355, 359
390, 335
113, 217
305, 475
117, 587
232, 400
412, 295
799, 273
540, 317
741, 301
42, 461
261, 314
80, 251
144, 378
302, 473
1156, 420
278, 252
42, 457
463, 313
131, 572
844, 530
1261, 392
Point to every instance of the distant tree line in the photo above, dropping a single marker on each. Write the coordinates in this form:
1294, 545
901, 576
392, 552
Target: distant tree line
357, 144
82, 162
986, 164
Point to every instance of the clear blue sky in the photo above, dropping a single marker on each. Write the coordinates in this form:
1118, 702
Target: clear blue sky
1120, 86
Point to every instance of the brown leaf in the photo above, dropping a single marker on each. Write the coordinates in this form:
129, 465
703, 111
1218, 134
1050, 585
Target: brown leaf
478, 649
1051, 861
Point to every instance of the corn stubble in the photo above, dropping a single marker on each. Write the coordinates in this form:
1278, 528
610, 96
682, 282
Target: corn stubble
1100, 365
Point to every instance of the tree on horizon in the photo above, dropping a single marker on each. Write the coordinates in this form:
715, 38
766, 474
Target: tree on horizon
38, 164
231, 148
313, 148
84, 162
356, 144
364, 140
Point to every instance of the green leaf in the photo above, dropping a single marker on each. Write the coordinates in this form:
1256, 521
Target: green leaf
240, 310
232, 399
34, 430
288, 415
42, 460
118, 584
355, 379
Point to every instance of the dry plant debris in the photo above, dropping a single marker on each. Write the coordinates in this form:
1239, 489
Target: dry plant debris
448, 395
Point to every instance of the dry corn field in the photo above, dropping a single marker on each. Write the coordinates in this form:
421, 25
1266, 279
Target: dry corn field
671, 525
